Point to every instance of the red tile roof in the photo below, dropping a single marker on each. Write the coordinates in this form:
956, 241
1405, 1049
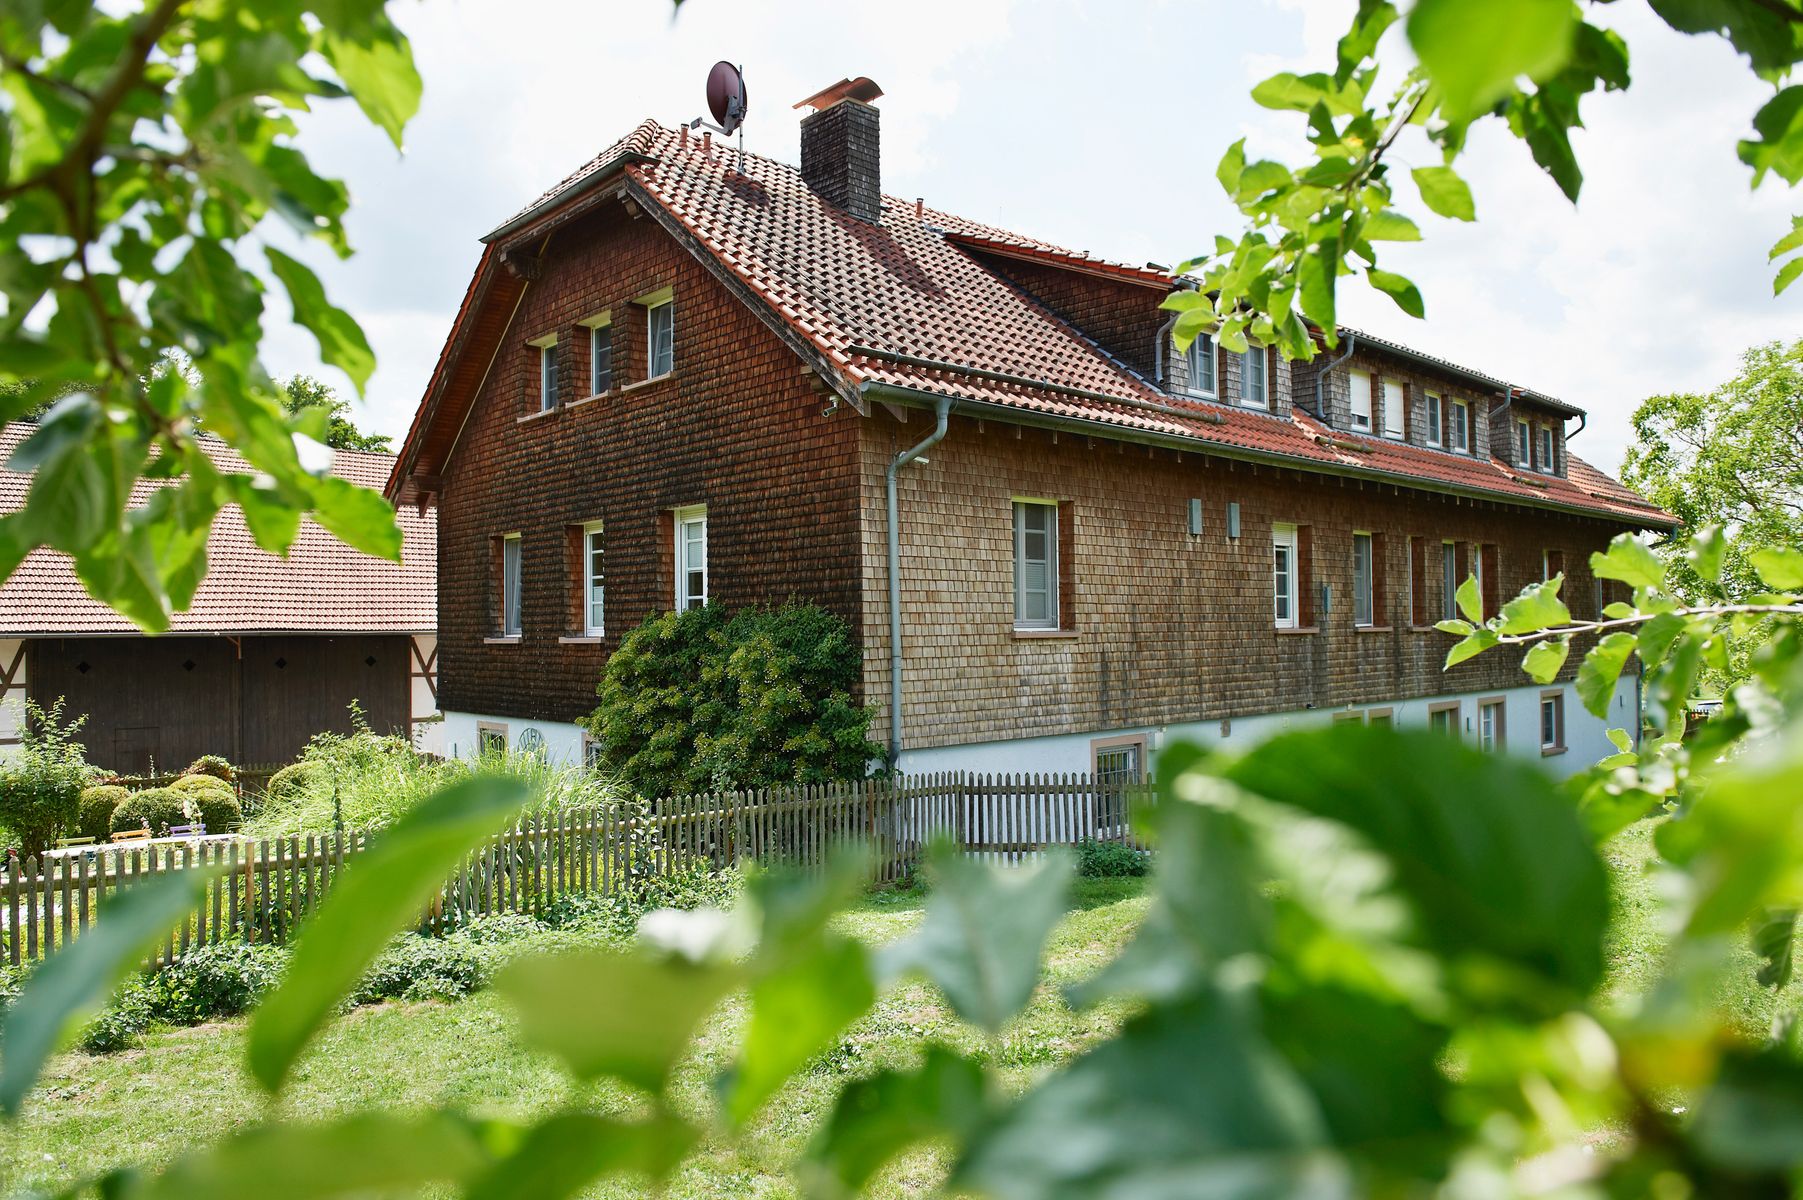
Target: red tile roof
904, 304
323, 586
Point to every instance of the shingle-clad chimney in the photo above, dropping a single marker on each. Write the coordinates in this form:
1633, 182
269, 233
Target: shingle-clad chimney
841, 154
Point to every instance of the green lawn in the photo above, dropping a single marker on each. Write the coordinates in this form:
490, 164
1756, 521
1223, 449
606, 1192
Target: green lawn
188, 1086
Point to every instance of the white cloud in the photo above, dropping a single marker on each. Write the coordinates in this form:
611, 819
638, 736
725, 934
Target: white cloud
1097, 127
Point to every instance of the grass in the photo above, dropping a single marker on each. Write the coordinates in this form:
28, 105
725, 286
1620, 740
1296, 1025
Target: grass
188, 1086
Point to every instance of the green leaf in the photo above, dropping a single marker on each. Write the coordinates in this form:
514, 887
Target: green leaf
1455, 627
1779, 124
1188, 1100
1601, 669
984, 929
1787, 275
1388, 225
1233, 165
1470, 600
877, 1118
394, 880
1630, 560
356, 516
1286, 90
1615, 610
1471, 647
380, 74
1315, 278
1750, 1119
1445, 193
1544, 660
1404, 292
563, 1154
1779, 568
365, 1154
341, 340
796, 1012
1474, 50
628, 1014
1491, 858
1538, 607
74, 982
1657, 636
1773, 941
1707, 548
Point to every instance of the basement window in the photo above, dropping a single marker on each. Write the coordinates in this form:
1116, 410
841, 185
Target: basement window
1552, 722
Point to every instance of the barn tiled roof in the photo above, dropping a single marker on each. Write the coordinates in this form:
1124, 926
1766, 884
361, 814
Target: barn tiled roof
905, 304
323, 586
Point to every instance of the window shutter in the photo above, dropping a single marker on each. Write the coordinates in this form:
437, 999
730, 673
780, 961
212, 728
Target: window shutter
575, 580
1305, 575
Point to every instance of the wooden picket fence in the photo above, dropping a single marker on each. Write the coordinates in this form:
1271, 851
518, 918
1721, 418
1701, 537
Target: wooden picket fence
264, 889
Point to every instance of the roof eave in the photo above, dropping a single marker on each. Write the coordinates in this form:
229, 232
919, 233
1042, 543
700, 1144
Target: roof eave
557, 200
1467, 374
915, 397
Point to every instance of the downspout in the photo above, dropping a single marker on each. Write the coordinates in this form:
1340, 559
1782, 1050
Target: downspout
942, 410
1352, 341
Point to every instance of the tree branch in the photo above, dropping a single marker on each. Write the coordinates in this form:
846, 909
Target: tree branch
1577, 627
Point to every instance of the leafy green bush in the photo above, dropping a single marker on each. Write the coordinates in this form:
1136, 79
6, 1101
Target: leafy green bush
1109, 860
211, 800
159, 808
214, 981
695, 701
95, 812
214, 766
498, 929
41, 781
423, 968
121, 1023
288, 782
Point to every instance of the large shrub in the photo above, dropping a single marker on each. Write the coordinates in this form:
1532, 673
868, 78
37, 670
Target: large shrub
694, 701
1110, 860
159, 807
211, 800
41, 781
94, 816
217, 767
216, 981
415, 967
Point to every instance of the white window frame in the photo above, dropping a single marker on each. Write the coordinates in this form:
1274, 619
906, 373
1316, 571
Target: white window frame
594, 581
1548, 450
685, 523
1049, 508
1395, 410
549, 365
1363, 581
591, 752
663, 309
1286, 581
1202, 352
1524, 444
1449, 580
1462, 439
1359, 384
1554, 702
1255, 364
600, 327
486, 730
512, 571
1436, 416
1492, 725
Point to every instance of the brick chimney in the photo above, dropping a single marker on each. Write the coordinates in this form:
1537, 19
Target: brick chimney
841, 158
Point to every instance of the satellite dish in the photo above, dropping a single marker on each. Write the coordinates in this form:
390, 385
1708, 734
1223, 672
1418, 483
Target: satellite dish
726, 96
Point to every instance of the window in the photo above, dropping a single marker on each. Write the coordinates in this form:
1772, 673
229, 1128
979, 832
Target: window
1552, 562
491, 738
510, 585
1035, 564
1552, 722
1449, 581
691, 557
1461, 426
1548, 462
1119, 761
660, 335
1444, 718
1435, 417
1490, 724
1361, 398
1524, 446
547, 376
1254, 384
1363, 608
1201, 360
1285, 584
591, 752
600, 359
594, 589
1418, 604
1381, 718
1396, 409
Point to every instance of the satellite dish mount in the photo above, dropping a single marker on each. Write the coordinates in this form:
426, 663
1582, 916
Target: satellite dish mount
726, 102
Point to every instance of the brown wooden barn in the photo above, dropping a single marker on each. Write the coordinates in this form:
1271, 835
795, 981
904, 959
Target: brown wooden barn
271, 652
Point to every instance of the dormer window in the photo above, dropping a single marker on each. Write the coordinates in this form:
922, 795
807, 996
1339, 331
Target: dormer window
1201, 363
1548, 446
1395, 410
1461, 426
1435, 419
1254, 386
1524, 444
1361, 399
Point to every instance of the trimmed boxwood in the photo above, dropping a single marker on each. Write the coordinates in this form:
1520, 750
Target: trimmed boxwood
94, 817
212, 764
211, 800
295, 777
161, 807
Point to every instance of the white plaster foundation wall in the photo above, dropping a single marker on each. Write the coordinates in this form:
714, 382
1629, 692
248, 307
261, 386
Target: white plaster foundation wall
12, 703
563, 741
428, 735
1586, 737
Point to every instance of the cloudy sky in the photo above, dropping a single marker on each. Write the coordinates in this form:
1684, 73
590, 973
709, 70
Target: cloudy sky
1093, 125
